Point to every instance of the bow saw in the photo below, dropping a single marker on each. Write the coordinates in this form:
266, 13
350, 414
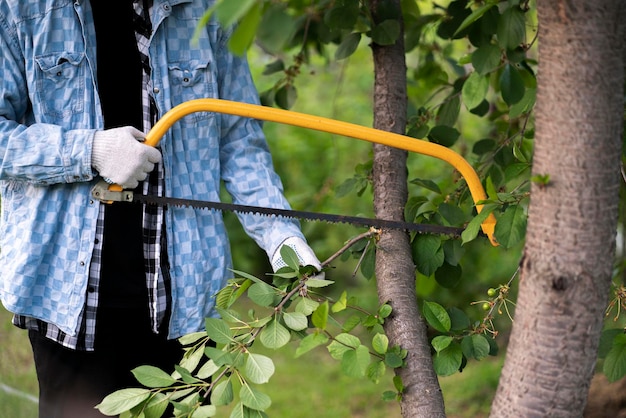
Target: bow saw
113, 192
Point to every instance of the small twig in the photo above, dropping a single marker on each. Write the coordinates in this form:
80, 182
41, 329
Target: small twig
365, 235
356, 269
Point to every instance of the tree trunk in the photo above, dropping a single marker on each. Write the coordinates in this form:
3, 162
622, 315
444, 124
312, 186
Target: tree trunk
395, 271
570, 242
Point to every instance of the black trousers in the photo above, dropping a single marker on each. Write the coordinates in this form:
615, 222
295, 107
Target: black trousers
72, 382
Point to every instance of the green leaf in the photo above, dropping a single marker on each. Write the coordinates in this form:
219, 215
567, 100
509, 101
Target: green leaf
606, 341
354, 363
259, 369
295, 321
192, 358
427, 253
274, 67
222, 393
459, 319
448, 361
515, 170
511, 85
393, 360
276, 28
448, 276
447, 114
186, 375
341, 303
290, 257
398, 384
262, 294
320, 316
156, 406
347, 46
218, 330
390, 396
474, 16
380, 343
254, 398
441, 342
208, 369
444, 135
386, 32
483, 146
342, 16
286, 96
316, 283
220, 357
351, 323
511, 226
475, 346
230, 12
511, 28
122, 400
310, 342
376, 371
343, 343
453, 251
204, 411
474, 90
244, 33
274, 335
473, 227
452, 213
615, 362
153, 377
486, 59
427, 184
436, 316
306, 306
525, 104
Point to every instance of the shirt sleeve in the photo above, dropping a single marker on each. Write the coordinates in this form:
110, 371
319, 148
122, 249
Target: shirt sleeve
247, 167
31, 150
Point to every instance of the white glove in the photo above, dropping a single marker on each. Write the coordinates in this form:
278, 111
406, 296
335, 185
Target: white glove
120, 157
305, 254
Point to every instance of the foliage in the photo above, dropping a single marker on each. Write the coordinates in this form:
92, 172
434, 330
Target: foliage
472, 88
229, 369
470, 62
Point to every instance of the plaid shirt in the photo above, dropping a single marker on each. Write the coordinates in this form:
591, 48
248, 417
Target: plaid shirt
152, 225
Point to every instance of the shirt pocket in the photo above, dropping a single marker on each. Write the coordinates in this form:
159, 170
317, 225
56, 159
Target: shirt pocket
191, 80
60, 84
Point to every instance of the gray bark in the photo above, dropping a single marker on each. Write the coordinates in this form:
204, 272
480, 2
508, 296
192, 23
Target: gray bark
395, 271
570, 242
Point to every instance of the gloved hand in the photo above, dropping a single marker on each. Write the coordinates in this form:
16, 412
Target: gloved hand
120, 157
305, 254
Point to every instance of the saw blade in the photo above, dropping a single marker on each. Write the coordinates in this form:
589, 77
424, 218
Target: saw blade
299, 215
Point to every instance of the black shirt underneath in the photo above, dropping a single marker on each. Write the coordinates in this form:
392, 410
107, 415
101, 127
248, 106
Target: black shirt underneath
119, 78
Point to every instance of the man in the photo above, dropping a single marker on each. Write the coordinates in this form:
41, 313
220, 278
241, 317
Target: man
105, 288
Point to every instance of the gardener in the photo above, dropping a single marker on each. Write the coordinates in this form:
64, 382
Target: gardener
105, 288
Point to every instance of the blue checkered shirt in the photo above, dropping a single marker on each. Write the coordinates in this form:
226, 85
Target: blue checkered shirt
49, 111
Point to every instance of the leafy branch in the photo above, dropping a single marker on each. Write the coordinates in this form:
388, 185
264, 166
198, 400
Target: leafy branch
221, 366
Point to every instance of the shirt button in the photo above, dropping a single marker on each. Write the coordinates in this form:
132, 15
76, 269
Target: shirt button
82, 263
156, 90
96, 241
166, 7
91, 289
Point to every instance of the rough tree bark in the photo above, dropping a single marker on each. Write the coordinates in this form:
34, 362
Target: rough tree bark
395, 271
570, 242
